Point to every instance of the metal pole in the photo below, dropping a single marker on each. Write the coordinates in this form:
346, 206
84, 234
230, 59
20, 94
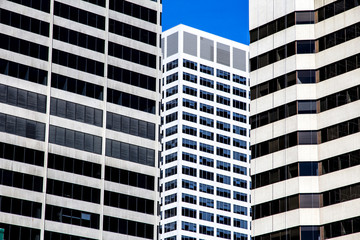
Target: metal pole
2, 233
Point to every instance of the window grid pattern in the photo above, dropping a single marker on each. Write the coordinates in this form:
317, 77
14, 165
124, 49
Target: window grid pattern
230, 87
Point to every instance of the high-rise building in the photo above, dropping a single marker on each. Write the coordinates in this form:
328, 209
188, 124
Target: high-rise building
79, 119
305, 116
205, 176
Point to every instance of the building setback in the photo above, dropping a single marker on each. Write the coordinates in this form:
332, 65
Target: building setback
79, 119
305, 117
205, 176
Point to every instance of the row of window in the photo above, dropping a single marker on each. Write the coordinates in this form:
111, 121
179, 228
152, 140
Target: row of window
340, 98
77, 112
77, 86
207, 108
20, 232
339, 67
20, 207
42, 5
170, 171
305, 46
171, 117
190, 64
207, 148
131, 101
206, 69
340, 130
170, 213
128, 202
170, 198
134, 10
130, 178
329, 165
132, 55
172, 78
285, 173
132, 78
338, 37
78, 39
206, 216
171, 144
79, 15
72, 216
304, 17
132, 126
21, 154
306, 76
282, 112
308, 233
100, 3
80, 218
206, 202
306, 137
305, 107
75, 139
132, 32
280, 24
24, 22
278, 54
286, 204
128, 227
22, 127
189, 77
342, 228
22, 98
24, 47
23, 72
222, 192
206, 230
210, 136
77, 62
210, 162
280, 143
223, 74
73, 191
73, 165
171, 91
130, 152
63, 236
283, 81
330, 230
174, 103
206, 82
21, 180
340, 162
208, 121
171, 130
171, 65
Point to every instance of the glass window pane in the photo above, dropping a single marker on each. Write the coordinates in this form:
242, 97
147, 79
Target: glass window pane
80, 113
89, 115
89, 143
70, 110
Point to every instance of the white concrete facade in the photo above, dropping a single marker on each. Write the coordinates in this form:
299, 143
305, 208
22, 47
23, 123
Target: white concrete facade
141, 223
323, 217
187, 210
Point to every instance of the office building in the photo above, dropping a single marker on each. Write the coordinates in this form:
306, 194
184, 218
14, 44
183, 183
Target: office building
305, 117
79, 120
205, 176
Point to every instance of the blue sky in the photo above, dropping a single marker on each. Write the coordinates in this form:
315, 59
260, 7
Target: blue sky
226, 18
